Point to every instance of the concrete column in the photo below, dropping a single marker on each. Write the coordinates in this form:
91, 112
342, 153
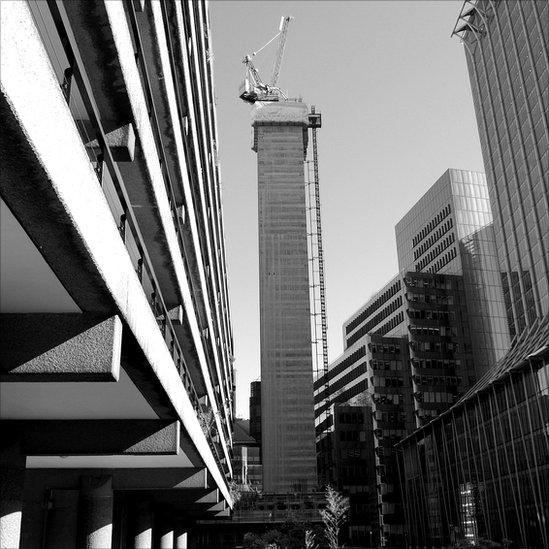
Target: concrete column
95, 512
143, 525
180, 534
12, 479
165, 529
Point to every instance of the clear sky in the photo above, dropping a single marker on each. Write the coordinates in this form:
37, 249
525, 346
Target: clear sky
397, 111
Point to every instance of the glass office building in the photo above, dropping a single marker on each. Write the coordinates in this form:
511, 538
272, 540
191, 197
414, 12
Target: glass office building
479, 470
450, 231
507, 57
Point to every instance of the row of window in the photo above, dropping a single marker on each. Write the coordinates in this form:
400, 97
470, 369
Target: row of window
439, 299
350, 376
435, 252
391, 348
435, 346
373, 322
393, 399
430, 363
427, 314
389, 417
452, 254
385, 296
393, 323
381, 381
433, 331
433, 238
389, 433
351, 417
421, 280
436, 380
385, 364
429, 398
445, 212
354, 357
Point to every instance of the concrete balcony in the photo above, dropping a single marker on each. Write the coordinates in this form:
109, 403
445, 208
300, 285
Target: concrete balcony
95, 296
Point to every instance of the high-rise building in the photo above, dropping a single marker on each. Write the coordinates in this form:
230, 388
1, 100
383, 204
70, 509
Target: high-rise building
478, 467
450, 231
116, 358
506, 46
409, 371
446, 305
255, 410
287, 422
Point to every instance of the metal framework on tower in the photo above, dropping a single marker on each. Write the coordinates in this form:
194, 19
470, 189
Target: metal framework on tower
316, 266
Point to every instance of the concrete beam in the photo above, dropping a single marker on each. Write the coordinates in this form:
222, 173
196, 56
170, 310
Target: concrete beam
60, 347
160, 479
96, 437
202, 509
28, 192
142, 478
202, 498
121, 142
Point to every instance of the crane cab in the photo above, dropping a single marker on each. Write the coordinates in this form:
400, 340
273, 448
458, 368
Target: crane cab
248, 91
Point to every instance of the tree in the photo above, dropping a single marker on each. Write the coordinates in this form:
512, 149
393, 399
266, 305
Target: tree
334, 515
274, 538
253, 541
310, 540
235, 491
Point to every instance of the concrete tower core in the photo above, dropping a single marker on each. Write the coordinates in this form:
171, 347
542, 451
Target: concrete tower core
288, 431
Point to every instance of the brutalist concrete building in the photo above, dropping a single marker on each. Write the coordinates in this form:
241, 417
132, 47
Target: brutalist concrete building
116, 367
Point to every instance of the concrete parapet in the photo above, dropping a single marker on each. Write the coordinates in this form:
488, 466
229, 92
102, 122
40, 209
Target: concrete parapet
60, 347
280, 112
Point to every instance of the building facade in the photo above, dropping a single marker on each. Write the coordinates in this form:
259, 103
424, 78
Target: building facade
287, 422
382, 314
450, 231
353, 471
444, 312
117, 386
255, 410
246, 458
506, 47
476, 471
408, 371
479, 470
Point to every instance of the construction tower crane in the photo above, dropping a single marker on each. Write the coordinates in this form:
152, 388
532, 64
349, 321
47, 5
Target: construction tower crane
254, 88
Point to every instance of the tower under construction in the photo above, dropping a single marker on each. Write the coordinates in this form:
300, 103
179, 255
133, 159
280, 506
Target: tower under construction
288, 433
291, 277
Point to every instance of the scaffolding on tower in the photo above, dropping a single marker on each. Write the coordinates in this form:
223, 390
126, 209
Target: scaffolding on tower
319, 326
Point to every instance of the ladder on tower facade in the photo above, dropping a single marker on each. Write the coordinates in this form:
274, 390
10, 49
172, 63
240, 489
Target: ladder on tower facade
319, 329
